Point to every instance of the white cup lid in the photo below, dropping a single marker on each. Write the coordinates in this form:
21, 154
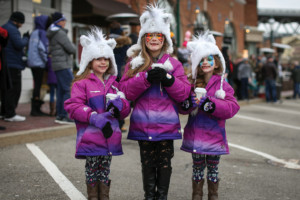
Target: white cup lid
200, 90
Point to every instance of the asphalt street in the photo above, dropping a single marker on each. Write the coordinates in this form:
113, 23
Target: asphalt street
263, 163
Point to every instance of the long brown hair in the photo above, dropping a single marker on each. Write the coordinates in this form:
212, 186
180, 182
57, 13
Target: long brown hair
86, 73
200, 81
145, 54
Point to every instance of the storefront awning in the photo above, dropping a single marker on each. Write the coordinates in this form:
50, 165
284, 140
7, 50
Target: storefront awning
96, 11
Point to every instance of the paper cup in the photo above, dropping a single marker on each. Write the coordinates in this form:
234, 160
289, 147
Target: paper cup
200, 92
110, 96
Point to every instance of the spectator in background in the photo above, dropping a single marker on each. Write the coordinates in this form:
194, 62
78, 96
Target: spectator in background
296, 79
244, 76
52, 83
229, 66
61, 49
14, 52
123, 44
269, 74
4, 78
183, 55
37, 60
236, 81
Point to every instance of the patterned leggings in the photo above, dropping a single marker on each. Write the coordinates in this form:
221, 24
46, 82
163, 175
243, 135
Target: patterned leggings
156, 154
97, 168
200, 161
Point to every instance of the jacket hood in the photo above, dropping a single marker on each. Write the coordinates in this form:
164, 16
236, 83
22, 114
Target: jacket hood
41, 22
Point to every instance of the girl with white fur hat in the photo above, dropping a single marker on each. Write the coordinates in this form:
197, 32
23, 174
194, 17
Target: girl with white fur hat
155, 82
204, 133
96, 116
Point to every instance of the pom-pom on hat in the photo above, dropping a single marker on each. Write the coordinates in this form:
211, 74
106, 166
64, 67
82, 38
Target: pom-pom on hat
17, 17
96, 46
202, 46
153, 20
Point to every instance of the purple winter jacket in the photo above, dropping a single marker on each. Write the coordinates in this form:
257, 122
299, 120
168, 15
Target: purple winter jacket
87, 96
205, 133
155, 114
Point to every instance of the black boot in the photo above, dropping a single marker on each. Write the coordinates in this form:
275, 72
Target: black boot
36, 108
149, 181
163, 182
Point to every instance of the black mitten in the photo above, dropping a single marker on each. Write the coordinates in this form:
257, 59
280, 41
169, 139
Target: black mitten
167, 79
187, 104
26, 34
208, 106
113, 110
107, 130
154, 75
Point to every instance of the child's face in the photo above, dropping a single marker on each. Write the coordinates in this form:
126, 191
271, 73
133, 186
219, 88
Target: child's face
154, 41
208, 65
100, 65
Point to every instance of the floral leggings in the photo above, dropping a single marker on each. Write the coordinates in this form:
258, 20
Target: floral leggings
200, 161
97, 168
156, 154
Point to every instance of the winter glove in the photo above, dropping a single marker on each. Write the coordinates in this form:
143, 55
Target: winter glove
154, 75
207, 105
191, 102
26, 34
107, 130
100, 120
115, 107
167, 79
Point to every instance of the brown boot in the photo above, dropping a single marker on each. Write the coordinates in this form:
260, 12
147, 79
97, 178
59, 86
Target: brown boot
92, 191
197, 190
213, 190
52, 108
104, 191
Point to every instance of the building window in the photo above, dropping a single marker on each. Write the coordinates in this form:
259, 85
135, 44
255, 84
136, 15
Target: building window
202, 22
45, 7
229, 38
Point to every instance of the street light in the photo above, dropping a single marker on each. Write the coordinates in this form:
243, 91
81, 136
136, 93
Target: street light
271, 22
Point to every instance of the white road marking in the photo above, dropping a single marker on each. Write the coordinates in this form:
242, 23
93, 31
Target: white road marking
286, 164
267, 122
56, 174
276, 109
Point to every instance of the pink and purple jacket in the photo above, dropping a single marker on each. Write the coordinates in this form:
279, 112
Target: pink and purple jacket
87, 96
155, 114
204, 132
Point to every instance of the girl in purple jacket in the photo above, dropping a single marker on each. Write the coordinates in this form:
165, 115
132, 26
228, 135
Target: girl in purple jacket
204, 133
96, 116
155, 82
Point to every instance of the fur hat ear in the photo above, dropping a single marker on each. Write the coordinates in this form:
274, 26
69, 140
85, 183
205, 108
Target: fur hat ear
191, 46
167, 18
84, 41
112, 43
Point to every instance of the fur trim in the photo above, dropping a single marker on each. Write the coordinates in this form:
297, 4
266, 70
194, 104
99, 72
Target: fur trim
122, 41
202, 46
133, 49
137, 61
166, 66
94, 46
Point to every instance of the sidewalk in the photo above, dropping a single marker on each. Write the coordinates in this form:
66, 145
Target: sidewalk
41, 128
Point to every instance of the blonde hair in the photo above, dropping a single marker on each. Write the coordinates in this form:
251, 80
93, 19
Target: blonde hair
147, 58
86, 73
200, 81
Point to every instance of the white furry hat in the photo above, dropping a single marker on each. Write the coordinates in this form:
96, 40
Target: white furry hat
96, 46
202, 46
153, 20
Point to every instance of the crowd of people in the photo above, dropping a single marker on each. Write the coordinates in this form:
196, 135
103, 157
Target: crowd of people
138, 74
